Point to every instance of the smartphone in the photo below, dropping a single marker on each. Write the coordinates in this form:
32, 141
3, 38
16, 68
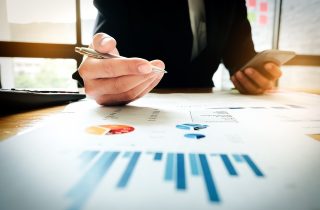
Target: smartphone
278, 57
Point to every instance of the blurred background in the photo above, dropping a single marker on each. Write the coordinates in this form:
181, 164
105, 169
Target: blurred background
53, 28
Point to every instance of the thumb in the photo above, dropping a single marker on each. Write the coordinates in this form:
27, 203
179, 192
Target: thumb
104, 43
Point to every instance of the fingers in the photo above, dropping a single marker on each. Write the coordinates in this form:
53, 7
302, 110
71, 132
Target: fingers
93, 68
259, 80
251, 81
238, 85
159, 64
118, 80
248, 87
123, 89
151, 86
126, 97
273, 70
116, 85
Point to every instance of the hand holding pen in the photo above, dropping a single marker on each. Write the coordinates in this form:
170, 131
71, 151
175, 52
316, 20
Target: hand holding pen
111, 79
94, 54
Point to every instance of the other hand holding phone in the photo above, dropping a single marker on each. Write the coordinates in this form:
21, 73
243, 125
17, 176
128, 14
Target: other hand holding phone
261, 72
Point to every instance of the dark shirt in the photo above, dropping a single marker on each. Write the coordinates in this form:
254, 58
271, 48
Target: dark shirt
162, 30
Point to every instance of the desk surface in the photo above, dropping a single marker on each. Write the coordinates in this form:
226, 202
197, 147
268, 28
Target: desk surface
14, 123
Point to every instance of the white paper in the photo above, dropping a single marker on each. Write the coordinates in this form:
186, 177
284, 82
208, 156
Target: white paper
61, 165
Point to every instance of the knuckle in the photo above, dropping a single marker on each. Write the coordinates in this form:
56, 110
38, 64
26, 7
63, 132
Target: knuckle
118, 85
89, 90
125, 63
83, 70
130, 65
108, 68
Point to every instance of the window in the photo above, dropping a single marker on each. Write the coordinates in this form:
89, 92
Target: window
88, 16
21, 22
299, 32
261, 15
306, 78
286, 25
300, 29
261, 18
22, 27
35, 36
38, 73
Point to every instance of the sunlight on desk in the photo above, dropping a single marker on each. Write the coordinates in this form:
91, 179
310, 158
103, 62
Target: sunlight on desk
12, 124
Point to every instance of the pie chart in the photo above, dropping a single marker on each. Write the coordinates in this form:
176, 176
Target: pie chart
102, 130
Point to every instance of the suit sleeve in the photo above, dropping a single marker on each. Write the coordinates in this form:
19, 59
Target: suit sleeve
239, 48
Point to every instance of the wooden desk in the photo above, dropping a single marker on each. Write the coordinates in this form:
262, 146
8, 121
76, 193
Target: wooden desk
12, 124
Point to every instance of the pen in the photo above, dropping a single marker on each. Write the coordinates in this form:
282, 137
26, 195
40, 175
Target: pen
94, 54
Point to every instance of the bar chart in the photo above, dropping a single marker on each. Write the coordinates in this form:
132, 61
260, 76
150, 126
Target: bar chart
175, 165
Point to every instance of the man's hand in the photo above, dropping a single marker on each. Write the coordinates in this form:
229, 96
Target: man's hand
117, 81
251, 81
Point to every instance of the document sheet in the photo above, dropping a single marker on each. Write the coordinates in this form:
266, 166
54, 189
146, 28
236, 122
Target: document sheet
217, 150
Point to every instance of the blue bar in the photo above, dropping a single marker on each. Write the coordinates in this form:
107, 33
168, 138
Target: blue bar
211, 188
194, 165
237, 158
181, 176
169, 171
87, 156
158, 156
231, 170
84, 188
253, 166
129, 170
127, 154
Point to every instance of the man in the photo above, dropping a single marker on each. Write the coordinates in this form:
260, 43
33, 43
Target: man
189, 37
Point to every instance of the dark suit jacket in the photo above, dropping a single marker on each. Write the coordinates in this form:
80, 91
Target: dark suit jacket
161, 30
